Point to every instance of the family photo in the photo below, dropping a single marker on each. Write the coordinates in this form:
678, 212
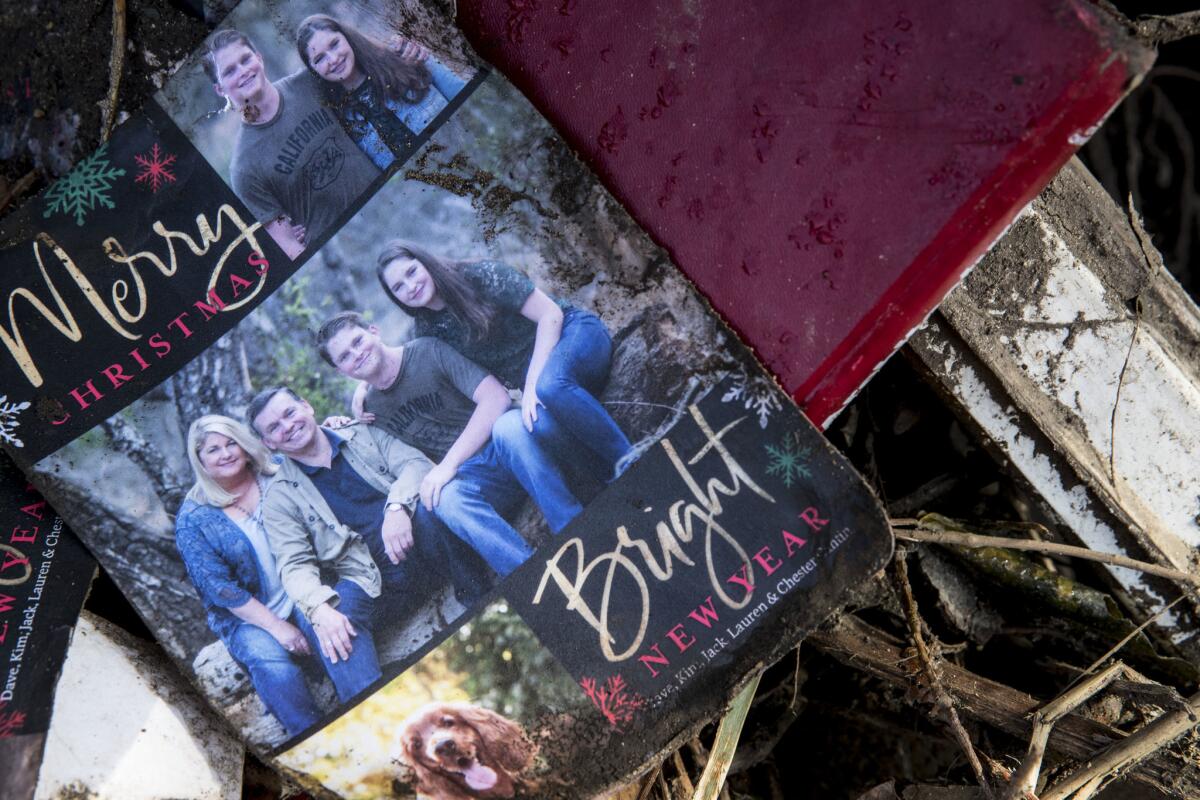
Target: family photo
302, 113
347, 477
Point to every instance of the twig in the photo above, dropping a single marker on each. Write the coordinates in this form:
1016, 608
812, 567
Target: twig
976, 540
1128, 638
663, 788
943, 697
648, 786
19, 188
684, 778
1024, 780
116, 66
1130, 751
1156, 30
859, 646
725, 744
698, 753
795, 682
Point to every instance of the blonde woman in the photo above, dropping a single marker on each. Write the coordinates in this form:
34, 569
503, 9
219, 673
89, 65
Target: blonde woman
220, 535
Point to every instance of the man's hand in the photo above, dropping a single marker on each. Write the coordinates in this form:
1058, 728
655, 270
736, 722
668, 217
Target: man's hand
290, 638
397, 535
334, 631
431, 486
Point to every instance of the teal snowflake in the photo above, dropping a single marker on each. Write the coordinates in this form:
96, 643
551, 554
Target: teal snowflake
84, 188
789, 460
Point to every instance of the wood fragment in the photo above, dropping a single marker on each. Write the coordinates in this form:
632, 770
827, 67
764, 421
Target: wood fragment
1136, 748
1024, 780
663, 789
725, 745
1154, 262
965, 539
648, 786
116, 68
18, 189
1156, 30
869, 649
684, 778
944, 701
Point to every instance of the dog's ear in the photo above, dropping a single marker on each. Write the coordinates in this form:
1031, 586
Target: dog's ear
506, 740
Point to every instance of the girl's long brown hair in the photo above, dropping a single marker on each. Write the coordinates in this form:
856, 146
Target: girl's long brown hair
407, 83
452, 286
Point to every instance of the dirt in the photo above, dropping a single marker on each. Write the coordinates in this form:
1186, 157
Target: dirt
54, 84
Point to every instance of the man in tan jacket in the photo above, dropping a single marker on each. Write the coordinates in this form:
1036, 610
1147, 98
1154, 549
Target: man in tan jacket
345, 502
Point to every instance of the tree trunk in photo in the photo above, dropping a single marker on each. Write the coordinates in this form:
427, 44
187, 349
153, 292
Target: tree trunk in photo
169, 485
214, 383
142, 561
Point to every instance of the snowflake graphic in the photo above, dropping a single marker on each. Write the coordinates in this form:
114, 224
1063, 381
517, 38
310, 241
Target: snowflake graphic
155, 168
11, 722
789, 460
8, 420
757, 393
84, 188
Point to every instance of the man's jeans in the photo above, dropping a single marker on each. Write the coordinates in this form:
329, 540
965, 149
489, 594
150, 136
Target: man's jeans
278, 676
436, 555
575, 373
490, 484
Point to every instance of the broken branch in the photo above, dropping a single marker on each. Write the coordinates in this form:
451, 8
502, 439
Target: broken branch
977, 540
863, 647
1156, 30
943, 698
1139, 746
116, 67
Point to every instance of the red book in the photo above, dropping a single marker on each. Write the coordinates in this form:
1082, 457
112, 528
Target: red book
824, 174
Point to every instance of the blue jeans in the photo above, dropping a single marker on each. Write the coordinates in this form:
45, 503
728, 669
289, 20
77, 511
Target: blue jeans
575, 372
492, 482
436, 555
278, 676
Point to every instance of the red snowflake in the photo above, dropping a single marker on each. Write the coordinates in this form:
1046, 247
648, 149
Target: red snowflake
11, 722
154, 168
613, 700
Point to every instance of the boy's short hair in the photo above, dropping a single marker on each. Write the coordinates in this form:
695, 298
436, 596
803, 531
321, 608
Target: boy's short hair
346, 319
219, 41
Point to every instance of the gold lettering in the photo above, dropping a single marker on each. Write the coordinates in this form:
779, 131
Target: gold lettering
66, 325
128, 295
671, 538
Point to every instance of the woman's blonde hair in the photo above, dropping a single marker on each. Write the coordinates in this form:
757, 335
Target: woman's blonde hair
257, 455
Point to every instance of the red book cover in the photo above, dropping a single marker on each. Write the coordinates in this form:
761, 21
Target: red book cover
825, 177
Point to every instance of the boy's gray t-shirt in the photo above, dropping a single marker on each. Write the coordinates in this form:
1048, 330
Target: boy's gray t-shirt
429, 403
301, 164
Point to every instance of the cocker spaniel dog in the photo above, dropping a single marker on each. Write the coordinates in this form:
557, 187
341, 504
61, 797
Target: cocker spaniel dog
459, 751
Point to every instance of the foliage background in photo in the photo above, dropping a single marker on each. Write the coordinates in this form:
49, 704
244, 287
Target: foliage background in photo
494, 661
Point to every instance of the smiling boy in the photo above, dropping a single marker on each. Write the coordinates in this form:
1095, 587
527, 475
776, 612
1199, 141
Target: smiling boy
428, 395
293, 164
